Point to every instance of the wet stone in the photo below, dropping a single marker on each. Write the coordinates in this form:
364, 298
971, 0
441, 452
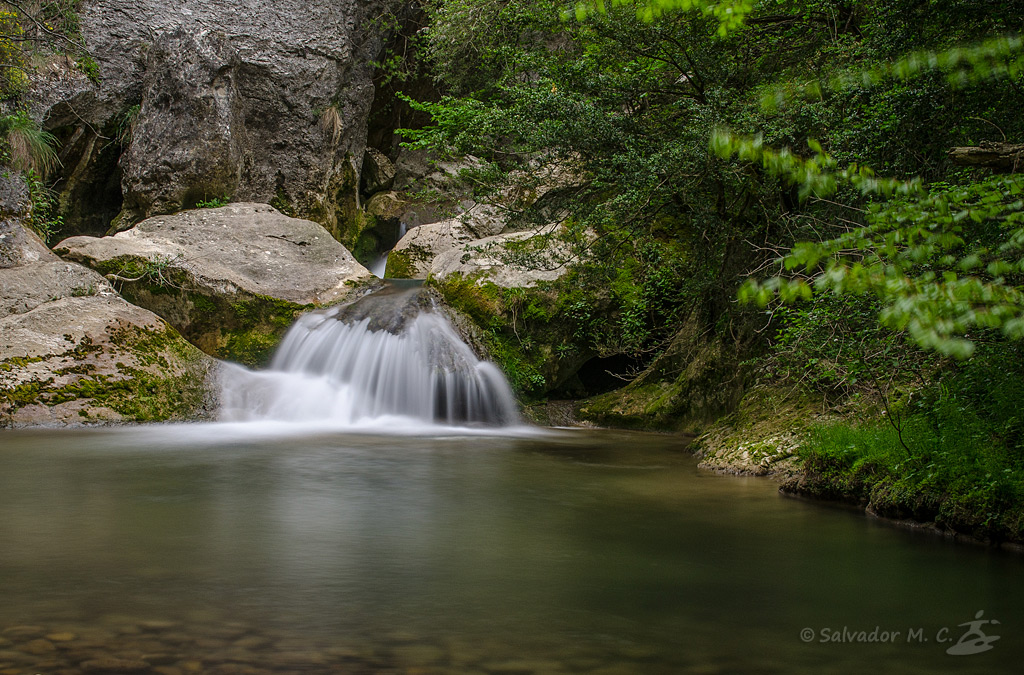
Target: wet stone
637, 652
127, 655
523, 667
296, 659
38, 647
344, 654
616, 669
80, 655
419, 655
10, 656
175, 638
23, 632
114, 665
252, 642
231, 669
585, 663
241, 656
226, 632
401, 637
141, 647
158, 625
168, 670
161, 659
47, 666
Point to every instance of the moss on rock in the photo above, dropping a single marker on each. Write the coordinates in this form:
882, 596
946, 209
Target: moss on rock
697, 379
241, 327
138, 373
524, 331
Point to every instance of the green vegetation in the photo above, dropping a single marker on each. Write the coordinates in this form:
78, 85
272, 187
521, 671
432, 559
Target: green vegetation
213, 202
29, 33
164, 382
791, 152
126, 124
281, 202
26, 147
46, 219
244, 328
953, 456
487, 306
398, 266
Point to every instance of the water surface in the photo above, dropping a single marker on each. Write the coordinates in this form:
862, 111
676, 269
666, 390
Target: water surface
259, 549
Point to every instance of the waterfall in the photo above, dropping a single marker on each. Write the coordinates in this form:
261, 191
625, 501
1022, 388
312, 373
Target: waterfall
385, 359
378, 265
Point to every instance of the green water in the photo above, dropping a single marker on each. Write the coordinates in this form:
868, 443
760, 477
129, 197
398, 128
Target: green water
569, 552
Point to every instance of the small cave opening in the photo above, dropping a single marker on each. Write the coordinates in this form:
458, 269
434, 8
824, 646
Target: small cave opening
600, 375
88, 179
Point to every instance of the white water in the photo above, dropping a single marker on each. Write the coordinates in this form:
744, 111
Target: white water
328, 371
378, 266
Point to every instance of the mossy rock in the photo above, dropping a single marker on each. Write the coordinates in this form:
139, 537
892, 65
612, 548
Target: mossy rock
113, 362
522, 330
241, 327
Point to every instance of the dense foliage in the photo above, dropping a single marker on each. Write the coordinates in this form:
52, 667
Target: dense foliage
797, 144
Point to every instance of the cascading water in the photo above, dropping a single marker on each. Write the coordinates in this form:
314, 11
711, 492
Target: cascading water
384, 358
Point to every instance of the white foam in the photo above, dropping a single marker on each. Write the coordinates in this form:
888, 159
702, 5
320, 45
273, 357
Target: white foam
347, 376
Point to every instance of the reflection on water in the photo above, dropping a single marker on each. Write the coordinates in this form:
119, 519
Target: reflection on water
243, 549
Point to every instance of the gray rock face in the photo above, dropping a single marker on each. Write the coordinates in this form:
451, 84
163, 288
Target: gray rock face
414, 253
248, 99
19, 246
230, 279
28, 286
378, 172
241, 247
491, 259
72, 351
430, 188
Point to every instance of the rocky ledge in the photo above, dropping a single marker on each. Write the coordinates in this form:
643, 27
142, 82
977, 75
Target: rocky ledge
73, 351
230, 279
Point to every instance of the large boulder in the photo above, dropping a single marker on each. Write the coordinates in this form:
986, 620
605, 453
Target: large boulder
415, 253
73, 351
378, 172
196, 100
510, 260
230, 279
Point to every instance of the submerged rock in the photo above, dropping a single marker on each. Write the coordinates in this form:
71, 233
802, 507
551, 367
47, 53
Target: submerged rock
230, 279
73, 351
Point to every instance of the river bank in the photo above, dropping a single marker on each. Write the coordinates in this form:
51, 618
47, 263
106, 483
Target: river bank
845, 455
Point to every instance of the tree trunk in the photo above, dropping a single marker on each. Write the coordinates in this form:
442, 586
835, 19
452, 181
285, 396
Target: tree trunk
1001, 157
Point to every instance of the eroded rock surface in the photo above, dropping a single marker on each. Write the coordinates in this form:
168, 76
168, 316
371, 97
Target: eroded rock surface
231, 279
510, 260
252, 100
72, 351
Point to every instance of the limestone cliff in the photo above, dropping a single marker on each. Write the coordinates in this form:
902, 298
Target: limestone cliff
251, 100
